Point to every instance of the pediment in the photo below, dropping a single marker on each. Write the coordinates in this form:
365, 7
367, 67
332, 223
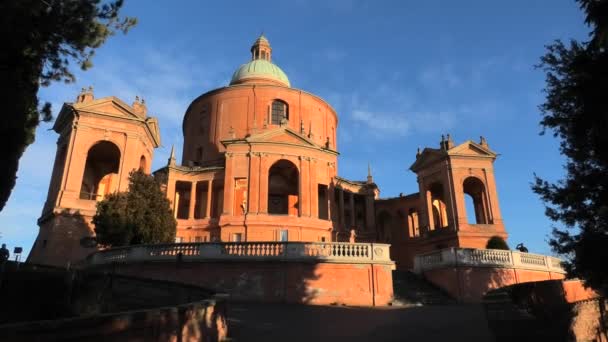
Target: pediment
282, 135
428, 156
111, 106
469, 148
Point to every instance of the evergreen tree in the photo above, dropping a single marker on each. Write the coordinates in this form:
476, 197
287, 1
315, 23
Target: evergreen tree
141, 215
39, 39
576, 111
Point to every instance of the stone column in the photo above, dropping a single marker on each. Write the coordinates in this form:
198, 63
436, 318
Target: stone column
428, 202
314, 196
304, 188
192, 200
254, 183
352, 210
263, 193
228, 184
209, 192
176, 204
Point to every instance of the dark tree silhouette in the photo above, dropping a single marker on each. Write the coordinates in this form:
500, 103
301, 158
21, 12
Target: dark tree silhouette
141, 215
39, 40
576, 111
496, 242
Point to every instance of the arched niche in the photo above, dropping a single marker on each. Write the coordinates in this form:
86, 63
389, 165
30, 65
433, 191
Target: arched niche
475, 200
283, 188
100, 176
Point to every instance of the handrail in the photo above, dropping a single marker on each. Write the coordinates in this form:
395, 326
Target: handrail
474, 257
216, 251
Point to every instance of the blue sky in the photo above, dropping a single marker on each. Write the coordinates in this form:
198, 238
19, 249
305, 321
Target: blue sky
399, 74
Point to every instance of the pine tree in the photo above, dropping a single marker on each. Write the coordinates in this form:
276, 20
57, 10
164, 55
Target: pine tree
141, 215
576, 111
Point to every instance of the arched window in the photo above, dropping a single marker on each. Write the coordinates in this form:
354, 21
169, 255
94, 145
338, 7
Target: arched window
412, 222
439, 214
101, 171
142, 164
283, 185
475, 198
279, 112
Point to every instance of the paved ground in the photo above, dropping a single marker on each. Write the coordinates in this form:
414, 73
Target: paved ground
287, 322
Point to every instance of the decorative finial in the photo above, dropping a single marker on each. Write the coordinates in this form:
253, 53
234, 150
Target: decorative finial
483, 141
171, 160
136, 98
143, 101
418, 153
91, 89
449, 142
370, 179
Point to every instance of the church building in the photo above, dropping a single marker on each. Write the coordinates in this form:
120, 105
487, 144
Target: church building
259, 163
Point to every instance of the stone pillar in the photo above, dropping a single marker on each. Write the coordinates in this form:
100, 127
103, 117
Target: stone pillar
352, 210
209, 192
341, 208
314, 192
192, 200
304, 188
263, 200
428, 202
254, 183
228, 184
176, 204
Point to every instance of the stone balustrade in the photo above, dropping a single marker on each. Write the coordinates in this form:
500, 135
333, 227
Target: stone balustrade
452, 257
330, 252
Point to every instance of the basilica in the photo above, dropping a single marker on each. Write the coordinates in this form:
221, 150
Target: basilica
260, 163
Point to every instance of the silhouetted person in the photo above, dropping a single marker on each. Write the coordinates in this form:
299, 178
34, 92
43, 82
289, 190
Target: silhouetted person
520, 247
4, 254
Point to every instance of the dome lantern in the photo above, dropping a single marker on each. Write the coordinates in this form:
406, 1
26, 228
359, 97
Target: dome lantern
261, 49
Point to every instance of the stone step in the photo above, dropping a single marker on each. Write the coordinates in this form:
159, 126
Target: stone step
409, 288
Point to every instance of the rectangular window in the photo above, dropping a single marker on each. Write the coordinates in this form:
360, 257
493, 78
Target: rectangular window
237, 237
284, 235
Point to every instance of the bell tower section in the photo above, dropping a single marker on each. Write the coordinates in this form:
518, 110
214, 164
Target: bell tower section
100, 142
448, 179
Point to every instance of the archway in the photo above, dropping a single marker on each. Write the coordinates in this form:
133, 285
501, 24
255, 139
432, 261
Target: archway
439, 214
475, 194
283, 185
100, 176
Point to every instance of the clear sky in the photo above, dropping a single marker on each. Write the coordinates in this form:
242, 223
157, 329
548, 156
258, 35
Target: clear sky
399, 74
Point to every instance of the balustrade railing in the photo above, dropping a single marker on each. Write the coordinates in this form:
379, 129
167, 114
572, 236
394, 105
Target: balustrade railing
332, 251
486, 258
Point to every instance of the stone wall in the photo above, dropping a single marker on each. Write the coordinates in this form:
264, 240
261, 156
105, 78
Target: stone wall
310, 273
467, 273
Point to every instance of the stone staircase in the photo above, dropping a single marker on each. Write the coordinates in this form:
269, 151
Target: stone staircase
411, 289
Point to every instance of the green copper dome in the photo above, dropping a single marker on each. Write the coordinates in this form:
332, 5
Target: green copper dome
259, 68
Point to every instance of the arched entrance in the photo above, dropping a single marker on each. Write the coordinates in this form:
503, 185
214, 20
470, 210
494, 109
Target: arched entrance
283, 184
101, 171
474, 192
